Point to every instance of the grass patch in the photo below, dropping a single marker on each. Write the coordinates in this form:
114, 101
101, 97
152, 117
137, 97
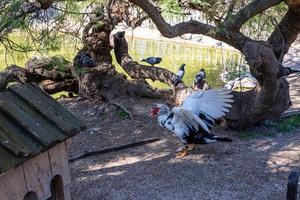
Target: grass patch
122, 114
62, 94
288, 125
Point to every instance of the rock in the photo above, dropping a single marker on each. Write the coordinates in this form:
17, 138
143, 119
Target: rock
246, 83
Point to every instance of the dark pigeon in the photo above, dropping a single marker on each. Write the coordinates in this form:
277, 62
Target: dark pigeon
152, 60
84, 59
199, 79
178, 78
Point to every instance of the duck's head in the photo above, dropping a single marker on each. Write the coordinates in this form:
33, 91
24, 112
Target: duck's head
159, 109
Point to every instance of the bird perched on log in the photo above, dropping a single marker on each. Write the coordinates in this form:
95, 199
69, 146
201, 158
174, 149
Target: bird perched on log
192, 122
84, 59
200, 82
152, 60
178, 78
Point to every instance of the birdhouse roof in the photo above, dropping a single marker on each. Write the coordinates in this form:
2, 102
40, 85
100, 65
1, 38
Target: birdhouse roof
31, 122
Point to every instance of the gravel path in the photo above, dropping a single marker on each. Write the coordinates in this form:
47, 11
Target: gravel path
250, 168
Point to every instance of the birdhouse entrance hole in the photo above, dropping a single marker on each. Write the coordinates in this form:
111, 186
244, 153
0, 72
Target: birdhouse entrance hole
30, 196
57, 188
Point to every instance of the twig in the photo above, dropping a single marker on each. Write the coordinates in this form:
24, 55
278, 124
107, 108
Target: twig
112, 149
291, 113
122, 107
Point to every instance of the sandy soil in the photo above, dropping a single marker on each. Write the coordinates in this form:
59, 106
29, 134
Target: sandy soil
246, 169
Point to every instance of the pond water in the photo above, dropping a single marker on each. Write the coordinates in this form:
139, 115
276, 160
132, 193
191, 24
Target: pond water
173, 55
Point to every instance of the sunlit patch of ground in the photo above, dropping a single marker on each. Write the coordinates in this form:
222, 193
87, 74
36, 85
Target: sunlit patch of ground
249, 168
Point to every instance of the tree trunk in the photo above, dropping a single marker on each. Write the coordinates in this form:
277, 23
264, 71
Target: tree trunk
103, 81
271, 96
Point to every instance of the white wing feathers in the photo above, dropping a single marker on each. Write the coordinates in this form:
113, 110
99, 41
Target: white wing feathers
214, 103
188, 118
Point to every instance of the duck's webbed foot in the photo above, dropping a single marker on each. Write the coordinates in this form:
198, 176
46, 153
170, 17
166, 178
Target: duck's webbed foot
182, 152
191, 147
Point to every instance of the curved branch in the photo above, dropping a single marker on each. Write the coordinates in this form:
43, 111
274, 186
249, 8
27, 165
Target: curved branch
252, 9
134, 69
166, 29
287, 29
222, 33
209, 9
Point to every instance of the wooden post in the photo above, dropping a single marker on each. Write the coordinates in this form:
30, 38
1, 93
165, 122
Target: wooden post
292, 187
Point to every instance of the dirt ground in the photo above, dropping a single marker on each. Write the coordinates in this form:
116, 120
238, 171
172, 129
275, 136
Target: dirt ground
249, 168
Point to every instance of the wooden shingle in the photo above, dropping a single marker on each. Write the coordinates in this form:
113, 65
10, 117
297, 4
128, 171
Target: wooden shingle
31, 122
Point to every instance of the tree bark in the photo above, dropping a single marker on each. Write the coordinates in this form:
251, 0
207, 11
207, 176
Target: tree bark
269, 99
15, 73
103, 81
271, 96
285, 33
133, 68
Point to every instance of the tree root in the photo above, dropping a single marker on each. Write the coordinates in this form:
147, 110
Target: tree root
289, 114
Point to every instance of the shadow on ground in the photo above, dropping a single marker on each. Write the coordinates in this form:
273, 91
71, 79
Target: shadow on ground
243, 170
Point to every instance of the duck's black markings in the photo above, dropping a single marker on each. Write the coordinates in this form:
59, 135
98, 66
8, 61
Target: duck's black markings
208, 120
168, 120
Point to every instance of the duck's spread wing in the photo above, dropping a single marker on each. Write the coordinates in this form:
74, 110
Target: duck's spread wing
214, 103
185, 119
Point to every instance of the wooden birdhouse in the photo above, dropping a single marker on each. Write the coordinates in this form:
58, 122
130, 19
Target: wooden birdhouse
34, 132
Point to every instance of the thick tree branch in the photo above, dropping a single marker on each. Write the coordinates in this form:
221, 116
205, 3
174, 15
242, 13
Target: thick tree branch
166, 29
233, 38
134, 69
287, 29
210, 10
252, 9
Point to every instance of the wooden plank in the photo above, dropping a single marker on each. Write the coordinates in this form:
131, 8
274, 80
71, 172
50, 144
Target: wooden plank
17, 133
66, 114
60, 166
12, 185
38, 175
40, 119
68, 142
67, 193
59, 162
292, 188
16, 147
8, 160
48, 107
26, 121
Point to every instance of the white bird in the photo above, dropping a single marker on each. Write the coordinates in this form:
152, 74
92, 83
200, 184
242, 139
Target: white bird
192, 122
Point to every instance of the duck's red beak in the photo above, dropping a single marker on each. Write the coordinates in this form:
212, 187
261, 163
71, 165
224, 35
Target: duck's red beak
154, 112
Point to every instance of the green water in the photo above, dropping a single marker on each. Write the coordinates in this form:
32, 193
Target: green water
173, 55
194, 56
